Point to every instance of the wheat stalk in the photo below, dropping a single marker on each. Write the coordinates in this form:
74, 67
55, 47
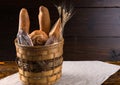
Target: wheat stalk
65, 11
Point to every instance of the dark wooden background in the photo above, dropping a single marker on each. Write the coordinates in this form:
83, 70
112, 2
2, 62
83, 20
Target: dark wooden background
93, 33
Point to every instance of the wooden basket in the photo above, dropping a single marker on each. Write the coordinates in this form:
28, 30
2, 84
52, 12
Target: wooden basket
39, 65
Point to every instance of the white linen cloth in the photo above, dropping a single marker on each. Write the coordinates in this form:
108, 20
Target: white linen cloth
76, 73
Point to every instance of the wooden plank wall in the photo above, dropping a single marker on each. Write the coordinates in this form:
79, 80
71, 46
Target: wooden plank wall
93, 33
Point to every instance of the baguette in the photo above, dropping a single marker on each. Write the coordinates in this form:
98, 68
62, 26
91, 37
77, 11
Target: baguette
55, 34
44, 19
24, 21
56, 30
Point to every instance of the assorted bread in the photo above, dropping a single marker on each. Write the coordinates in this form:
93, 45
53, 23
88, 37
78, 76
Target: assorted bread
39, 37
45, 35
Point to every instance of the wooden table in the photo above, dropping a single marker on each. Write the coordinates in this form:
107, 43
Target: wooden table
10, 67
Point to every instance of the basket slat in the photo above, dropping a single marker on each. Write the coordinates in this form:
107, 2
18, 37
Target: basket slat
41, 81
41, 74
40, 65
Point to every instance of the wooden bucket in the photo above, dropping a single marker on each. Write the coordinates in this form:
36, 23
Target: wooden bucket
39, 65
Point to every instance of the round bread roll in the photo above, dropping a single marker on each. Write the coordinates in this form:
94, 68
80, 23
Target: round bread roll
38, 37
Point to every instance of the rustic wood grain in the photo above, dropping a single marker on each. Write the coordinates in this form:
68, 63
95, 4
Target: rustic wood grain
115, 77
8, 68
94, 22
84, 48
97, 3
78, 3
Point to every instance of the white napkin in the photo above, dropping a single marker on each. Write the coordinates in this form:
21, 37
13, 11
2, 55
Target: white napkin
76, 73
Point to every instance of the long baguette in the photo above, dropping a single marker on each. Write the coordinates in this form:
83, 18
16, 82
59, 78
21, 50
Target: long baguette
56, 30
24, 21
23, 30
55, 34
44, 19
